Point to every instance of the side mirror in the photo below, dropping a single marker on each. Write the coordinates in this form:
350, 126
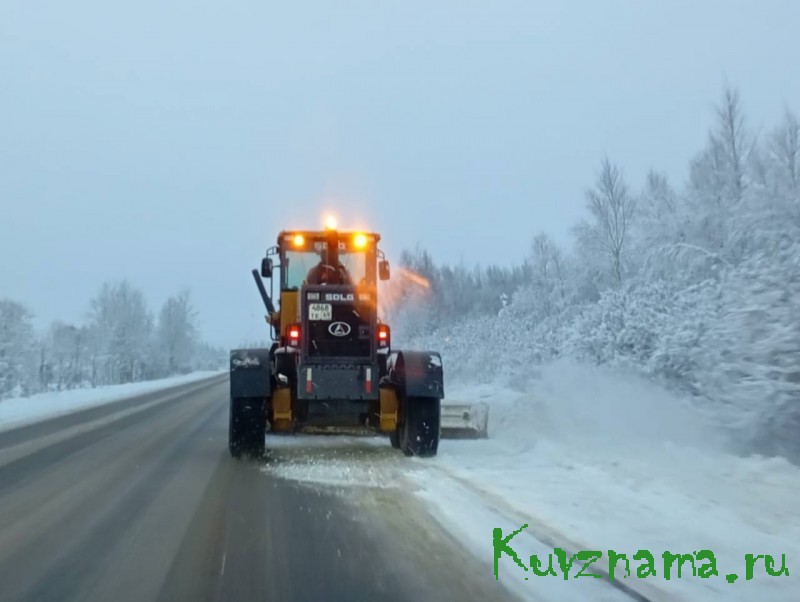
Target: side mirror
266, 268
383, 270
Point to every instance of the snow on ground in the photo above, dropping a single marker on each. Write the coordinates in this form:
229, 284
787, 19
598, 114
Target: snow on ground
603, 461
590, 460
25, 410
339, 461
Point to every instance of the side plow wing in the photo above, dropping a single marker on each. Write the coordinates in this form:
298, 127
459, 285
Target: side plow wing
465, 420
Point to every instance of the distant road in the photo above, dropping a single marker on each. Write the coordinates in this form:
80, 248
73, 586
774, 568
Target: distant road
139, 500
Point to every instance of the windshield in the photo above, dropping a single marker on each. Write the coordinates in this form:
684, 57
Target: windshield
298, 264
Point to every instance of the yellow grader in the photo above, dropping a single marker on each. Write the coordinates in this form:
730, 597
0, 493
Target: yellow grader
331, 365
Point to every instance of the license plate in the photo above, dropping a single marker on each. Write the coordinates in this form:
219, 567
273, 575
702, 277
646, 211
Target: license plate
320, 311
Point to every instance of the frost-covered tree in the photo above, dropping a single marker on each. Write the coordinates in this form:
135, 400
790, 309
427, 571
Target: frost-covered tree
661, 223
16, 348
211, 357
663, 246
697, 288
782, 199
424, 297
752, 351
660, 219
735, 143
176, 334
612, 208
546, 268
65, 356
719, 182
121, 327
119, 344
784, 149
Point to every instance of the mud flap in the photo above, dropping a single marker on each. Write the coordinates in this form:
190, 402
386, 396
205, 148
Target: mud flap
250, 373
417, 373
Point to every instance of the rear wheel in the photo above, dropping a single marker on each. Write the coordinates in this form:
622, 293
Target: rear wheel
419, 433
394, 437
246, 427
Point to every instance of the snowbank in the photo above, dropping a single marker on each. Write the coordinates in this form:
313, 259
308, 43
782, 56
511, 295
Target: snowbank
590, 459
600, 460
19, 411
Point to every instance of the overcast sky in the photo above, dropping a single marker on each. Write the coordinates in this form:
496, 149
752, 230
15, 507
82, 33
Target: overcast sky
167, 142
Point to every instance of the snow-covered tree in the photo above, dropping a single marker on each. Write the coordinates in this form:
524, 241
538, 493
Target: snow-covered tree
735, 144
608, 233
546, 271
176, 334
752, 350
696, 287
661, 223
784, 150
65, 356
121, 326
16, 348
719, 181
211, 357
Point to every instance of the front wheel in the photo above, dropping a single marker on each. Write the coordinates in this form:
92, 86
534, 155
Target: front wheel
419, 433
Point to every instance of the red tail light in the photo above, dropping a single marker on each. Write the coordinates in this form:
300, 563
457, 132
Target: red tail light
293, 335
384, 335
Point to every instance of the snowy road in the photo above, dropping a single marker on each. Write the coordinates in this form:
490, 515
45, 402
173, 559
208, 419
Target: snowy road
140, 501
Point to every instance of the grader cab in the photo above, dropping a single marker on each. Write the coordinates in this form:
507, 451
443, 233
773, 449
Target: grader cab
331, 365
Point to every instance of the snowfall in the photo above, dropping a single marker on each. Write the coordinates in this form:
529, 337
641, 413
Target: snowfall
588, 459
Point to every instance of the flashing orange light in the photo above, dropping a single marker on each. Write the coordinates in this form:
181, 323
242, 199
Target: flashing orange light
330, 223
299, 240
360, 241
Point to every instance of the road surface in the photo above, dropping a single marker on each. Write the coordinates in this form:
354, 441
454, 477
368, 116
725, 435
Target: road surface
139, 500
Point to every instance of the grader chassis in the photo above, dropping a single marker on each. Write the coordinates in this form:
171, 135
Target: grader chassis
331, 365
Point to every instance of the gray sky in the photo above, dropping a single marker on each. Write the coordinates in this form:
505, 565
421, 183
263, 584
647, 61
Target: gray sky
169, 142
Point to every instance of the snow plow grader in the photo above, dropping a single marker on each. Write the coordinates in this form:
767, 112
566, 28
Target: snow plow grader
331, 366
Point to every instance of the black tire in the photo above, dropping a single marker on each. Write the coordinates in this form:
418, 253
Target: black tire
419, 433
235, 442
394, 438
246, 427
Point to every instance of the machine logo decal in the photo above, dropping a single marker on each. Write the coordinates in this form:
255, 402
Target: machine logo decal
246, 362
339, 329
339, 297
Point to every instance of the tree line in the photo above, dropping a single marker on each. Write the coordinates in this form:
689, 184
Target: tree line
696, 285
122, 341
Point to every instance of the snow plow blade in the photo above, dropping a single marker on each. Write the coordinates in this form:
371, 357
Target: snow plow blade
465, 420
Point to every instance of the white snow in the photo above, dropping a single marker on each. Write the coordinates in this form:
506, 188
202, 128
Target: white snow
589, 459
470, 517
339, 461
600, 460
20, 411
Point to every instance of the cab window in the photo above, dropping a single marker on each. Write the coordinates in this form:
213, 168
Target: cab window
297, 264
